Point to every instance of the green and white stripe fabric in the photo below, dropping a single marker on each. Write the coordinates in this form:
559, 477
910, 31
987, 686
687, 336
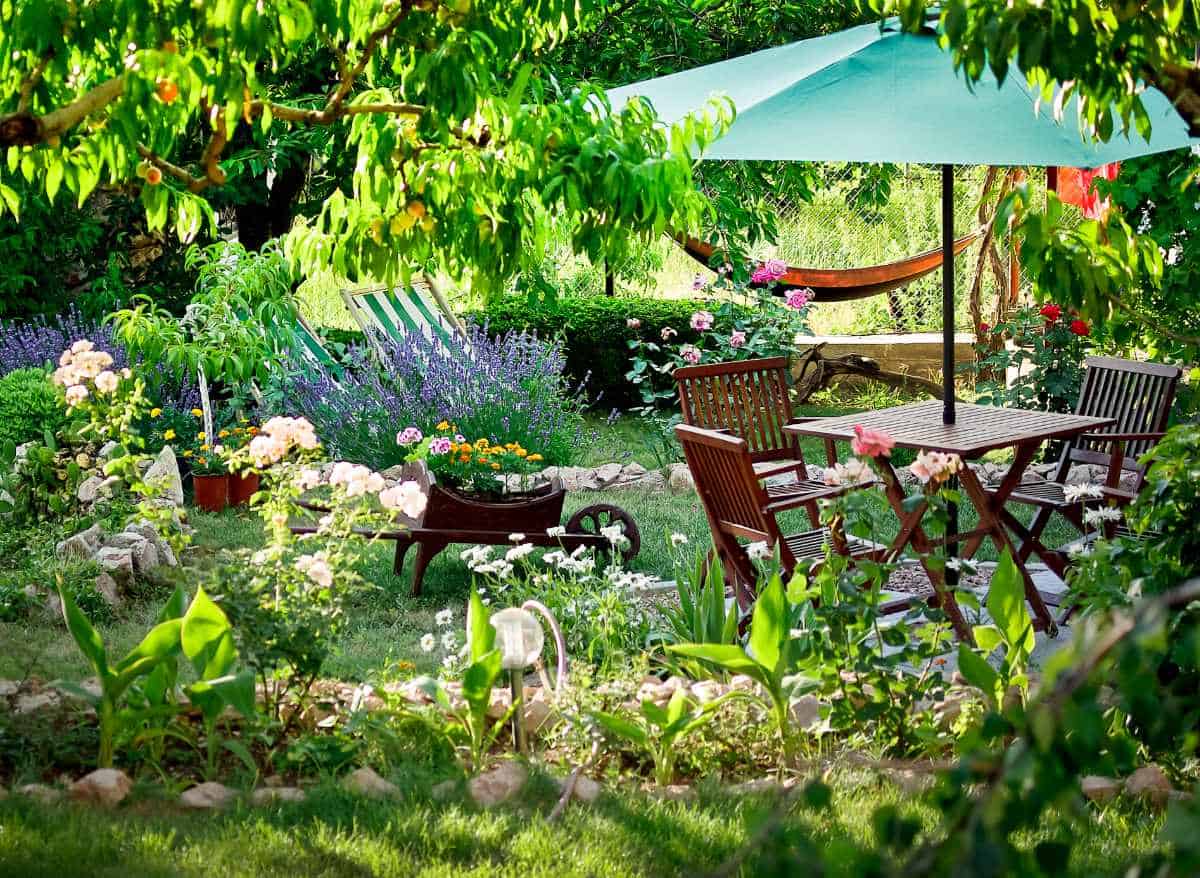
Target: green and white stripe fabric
394, 313
309, 345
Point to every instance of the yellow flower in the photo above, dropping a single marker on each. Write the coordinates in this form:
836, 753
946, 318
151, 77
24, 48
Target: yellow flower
198, 413
155, 412
534, 458
169, 435
443, 426
495, 466
244, 420
187, 453
511, 446
465, 458
204, 447
482, 444
200, 435
202, 460
520, 452
222, 434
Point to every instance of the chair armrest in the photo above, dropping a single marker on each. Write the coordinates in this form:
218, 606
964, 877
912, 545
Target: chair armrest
1120, 495
798, 502
1105, 438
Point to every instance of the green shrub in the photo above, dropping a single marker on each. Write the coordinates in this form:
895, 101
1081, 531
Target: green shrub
29, 405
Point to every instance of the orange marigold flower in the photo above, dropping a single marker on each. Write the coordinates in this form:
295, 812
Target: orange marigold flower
495, 466
534, 458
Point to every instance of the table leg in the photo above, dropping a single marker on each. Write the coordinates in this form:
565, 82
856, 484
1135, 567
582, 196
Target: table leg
1012, 479
912, 532
989, 518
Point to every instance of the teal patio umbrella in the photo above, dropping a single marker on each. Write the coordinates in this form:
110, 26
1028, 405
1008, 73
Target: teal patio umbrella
873, 94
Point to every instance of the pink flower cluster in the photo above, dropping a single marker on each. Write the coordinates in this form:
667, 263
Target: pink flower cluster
440, 445
852, 472
633, 323
769, 272
702, 321
407, 497
737, 338
798, 299
690, 354
279, 436
935, 466
356, 479
409, 436
83, 363
316, 567
871, 443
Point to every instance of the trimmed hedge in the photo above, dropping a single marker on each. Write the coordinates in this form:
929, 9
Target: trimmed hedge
595, 335
29, 406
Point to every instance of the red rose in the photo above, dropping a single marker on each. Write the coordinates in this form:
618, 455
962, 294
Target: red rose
984, 329
1080, 327
1051, 312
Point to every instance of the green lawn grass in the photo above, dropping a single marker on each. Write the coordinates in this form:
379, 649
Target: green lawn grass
625, 833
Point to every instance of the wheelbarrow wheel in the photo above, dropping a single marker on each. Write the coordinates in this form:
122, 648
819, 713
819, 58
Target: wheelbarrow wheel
592, 519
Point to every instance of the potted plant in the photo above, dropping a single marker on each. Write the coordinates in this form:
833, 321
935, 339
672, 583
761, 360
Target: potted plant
243, 485
210, 476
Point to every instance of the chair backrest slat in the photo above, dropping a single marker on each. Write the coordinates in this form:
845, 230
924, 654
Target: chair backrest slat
748, 398
732, 496
1137, 395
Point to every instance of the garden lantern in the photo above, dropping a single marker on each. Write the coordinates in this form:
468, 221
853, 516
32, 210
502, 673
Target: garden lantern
520, 640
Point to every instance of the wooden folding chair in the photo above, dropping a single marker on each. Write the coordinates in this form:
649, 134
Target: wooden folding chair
739, 508
749, 399
1139, 395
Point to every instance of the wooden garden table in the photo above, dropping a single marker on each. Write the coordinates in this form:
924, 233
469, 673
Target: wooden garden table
978, 430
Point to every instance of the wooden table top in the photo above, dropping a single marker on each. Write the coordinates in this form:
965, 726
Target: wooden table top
978, 429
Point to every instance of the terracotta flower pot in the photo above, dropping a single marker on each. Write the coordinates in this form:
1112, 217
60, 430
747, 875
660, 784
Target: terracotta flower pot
211, 492
242, 488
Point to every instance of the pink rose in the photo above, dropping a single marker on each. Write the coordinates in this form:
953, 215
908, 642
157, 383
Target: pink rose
797, 299
698, 282
769, 272
737, 338
871, 443
690, 354
701, 321
633, 323
668, 333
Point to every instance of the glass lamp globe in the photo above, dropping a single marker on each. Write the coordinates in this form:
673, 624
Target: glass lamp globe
519, 637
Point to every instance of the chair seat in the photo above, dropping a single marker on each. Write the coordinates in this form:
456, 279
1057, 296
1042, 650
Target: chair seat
799, 488
1048, 494
810, 544
1084, 544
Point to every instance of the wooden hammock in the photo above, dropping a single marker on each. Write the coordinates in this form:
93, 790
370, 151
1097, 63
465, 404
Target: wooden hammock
845, 284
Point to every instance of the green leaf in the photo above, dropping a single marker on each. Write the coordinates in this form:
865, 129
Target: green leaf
206, 638
238, 749
977, 671
769, 624
730, 657
1006, 604
175, 605
160, 643
86, 637
77, 691
479, 678
480, 634
622, 728
237, 690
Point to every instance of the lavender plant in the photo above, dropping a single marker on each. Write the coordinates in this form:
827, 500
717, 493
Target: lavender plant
506, 388
38, 342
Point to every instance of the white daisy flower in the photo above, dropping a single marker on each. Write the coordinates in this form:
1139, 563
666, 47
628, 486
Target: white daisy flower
444, 617
427, 643
759, 551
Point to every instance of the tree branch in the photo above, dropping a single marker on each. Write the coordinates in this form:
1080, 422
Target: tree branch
338, 97
22, 128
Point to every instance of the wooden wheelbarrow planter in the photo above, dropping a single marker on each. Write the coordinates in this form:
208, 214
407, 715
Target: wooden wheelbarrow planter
451, 517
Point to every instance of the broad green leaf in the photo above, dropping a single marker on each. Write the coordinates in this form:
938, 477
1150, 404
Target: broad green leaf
86, 637
237, 690
481, 636
479, 678
977, 671
622, 728
730, 657
769, 624
77, 691
987, 638
160, 643
1006, 604
175, 605
206, 638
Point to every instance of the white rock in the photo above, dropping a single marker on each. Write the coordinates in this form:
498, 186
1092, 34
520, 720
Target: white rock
104, 786
1149, 782
94, 487
707, 690
1099, 789
107, 587
147, 530
498, 785
42, 793
9, 687
164, 474
806, 711
208, 796
632, 472
271, 795
445, 791
115, 559
608, 473
679, 478
366, 782
586, 790
676, 793
82, 545
32, 702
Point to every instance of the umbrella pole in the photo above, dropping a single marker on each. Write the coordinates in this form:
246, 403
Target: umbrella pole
948, 294
951, 572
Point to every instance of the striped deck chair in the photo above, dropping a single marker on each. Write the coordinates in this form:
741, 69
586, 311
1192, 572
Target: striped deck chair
309, 346
385, 313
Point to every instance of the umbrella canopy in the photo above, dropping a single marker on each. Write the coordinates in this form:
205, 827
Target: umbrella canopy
872, 94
